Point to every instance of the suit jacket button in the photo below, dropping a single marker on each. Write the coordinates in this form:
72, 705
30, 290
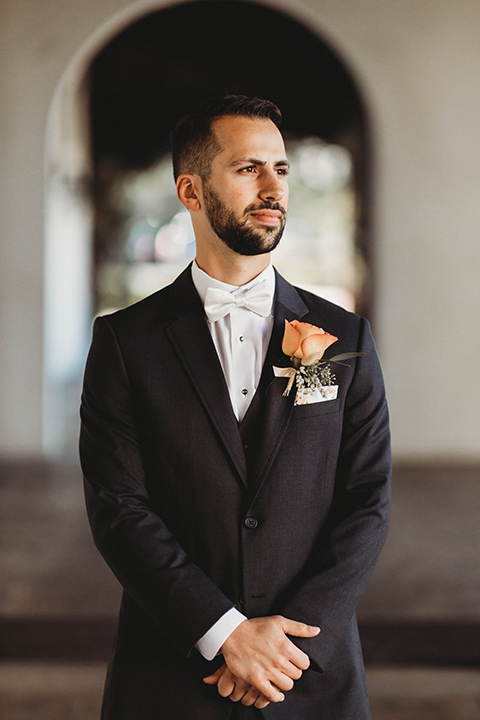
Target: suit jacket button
250, 523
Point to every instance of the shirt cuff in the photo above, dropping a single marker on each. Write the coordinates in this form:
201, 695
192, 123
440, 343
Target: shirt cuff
212, 641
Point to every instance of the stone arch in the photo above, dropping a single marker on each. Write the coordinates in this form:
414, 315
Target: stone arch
70, 174
68, 232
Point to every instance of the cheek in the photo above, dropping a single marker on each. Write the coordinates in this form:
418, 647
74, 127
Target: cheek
231, 196
237, 195
239, 201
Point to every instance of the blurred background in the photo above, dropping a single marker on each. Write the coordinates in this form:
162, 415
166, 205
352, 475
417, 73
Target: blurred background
381, 104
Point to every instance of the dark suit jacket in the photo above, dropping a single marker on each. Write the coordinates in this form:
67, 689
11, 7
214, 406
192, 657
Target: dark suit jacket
168, 493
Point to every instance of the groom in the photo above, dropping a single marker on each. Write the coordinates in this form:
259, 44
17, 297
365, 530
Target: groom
243, 522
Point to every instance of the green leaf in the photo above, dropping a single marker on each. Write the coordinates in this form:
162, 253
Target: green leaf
345, 356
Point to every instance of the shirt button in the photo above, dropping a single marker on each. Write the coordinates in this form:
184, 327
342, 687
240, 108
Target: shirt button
241, 338
250, 523
244, 391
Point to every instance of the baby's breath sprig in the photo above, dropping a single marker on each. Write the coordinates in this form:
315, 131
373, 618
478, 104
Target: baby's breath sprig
315, 376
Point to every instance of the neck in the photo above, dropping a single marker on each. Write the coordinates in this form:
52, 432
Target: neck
232, 268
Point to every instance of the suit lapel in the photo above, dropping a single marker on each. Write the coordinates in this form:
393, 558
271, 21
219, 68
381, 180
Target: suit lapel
195, 349
277, 409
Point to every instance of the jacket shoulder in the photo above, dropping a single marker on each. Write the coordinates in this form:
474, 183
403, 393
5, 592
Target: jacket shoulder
140, 312
328, 315
157, 309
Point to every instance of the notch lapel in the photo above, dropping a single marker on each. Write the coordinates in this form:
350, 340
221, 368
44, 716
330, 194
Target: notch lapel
277, 409
195, 349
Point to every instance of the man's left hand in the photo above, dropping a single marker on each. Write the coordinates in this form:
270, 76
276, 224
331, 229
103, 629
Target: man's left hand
229, 685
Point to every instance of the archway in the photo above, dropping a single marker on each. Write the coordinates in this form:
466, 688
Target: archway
146, 78
135, 85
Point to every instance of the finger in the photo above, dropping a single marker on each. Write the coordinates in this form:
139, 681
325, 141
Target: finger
289, 664
293, 671
298, 658
269, 691
298, 629
241, 687
253, 697
226, 684
282, 681
215, 677
250, 696
261, 702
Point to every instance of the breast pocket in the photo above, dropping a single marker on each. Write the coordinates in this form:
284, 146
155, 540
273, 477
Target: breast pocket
328, 407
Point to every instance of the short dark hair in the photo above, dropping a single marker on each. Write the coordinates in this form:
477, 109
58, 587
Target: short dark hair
194, 144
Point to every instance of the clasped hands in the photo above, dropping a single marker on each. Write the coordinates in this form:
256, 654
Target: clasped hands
261, 662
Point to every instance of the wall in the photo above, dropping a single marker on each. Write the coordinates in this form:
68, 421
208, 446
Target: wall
417, 64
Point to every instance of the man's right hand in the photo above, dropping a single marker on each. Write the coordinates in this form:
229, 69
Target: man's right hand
259, 652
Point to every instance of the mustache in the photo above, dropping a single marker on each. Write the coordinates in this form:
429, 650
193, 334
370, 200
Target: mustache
265, 206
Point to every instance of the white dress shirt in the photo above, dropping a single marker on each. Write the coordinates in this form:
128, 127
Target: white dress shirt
241, 340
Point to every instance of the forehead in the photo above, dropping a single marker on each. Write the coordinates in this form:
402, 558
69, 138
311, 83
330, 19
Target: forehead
241, 136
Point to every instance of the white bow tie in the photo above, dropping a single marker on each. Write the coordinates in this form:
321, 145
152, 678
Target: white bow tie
219, 303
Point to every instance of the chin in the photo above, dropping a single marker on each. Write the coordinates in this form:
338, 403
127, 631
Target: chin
253, 252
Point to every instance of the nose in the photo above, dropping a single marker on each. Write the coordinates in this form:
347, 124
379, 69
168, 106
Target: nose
273, 187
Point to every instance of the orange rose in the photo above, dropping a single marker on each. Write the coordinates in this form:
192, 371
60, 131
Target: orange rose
305, 341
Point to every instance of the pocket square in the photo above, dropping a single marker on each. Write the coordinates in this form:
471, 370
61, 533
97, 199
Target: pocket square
307, 396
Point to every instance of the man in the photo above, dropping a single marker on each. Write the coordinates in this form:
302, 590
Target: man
242, 524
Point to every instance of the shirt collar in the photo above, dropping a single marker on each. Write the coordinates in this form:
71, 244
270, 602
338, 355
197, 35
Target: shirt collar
202, 281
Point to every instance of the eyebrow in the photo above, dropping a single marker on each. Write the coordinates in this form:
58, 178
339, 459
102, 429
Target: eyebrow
261, 163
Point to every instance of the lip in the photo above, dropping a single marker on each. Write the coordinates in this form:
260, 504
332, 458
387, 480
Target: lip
267, 217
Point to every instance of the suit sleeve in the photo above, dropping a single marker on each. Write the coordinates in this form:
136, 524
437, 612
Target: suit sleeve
135, 542
348, 547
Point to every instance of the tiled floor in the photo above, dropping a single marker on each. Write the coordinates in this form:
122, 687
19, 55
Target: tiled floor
424, 694
429, 568
428, 572
45, 691
42, 691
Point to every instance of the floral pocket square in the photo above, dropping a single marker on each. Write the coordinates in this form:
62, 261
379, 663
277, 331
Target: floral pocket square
308, 396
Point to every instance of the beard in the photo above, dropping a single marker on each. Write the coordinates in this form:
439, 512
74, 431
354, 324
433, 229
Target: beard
236, 233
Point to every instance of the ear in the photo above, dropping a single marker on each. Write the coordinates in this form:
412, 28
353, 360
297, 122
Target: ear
189, 191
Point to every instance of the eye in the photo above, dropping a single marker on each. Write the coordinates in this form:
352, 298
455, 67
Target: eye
282, 170
248, 169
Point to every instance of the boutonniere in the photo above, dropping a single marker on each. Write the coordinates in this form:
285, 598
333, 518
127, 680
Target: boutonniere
306, 344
